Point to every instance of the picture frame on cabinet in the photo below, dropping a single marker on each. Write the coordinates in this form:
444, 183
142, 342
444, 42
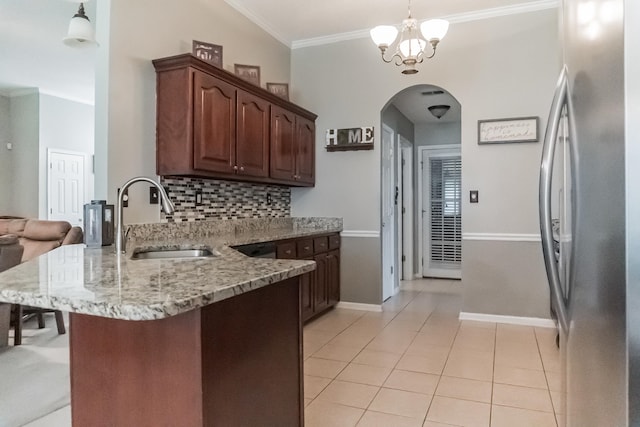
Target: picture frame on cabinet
279, 89
250, 73
208, 52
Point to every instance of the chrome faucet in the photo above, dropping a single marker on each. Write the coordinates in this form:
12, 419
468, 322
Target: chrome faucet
167, 205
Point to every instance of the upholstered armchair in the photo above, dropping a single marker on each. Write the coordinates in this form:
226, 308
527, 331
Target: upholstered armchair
38, 237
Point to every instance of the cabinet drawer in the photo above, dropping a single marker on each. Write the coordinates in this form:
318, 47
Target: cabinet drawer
320, 244
286, 250
305, 248
334, 241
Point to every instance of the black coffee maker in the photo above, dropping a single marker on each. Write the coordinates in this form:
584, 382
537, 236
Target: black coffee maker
98, 224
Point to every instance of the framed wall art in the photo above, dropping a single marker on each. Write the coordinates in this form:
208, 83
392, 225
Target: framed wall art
208, 52
502, 131
250, 73
280, 89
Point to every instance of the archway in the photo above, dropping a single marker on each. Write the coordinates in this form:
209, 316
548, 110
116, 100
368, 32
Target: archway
421, 213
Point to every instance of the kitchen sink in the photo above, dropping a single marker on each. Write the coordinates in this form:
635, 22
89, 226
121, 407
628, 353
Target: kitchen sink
173, 253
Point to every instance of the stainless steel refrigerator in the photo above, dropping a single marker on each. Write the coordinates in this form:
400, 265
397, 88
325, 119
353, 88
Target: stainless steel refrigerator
590, 212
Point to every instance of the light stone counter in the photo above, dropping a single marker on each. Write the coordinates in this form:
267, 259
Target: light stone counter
98, 282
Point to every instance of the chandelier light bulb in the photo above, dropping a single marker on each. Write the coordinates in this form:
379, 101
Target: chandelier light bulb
411, 48
434, 29
384, 35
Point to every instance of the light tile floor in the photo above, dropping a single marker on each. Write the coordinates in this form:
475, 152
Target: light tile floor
416, 364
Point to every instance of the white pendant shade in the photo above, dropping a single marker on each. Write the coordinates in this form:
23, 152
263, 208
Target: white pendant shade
411, 48
81, 32
384, 35
434, 29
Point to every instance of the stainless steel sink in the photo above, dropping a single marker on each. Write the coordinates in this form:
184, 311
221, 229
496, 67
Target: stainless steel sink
173, 253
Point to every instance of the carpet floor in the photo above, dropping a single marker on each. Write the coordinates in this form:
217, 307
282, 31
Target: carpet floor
34, 377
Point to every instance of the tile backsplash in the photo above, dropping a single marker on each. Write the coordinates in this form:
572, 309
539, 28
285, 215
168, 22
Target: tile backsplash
224, 199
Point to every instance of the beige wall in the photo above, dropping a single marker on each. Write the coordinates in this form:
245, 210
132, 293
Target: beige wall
6, 155
125, 111
26, 171
504, 278
496, 68
67, 126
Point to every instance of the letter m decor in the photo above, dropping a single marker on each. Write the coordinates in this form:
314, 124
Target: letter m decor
350, 139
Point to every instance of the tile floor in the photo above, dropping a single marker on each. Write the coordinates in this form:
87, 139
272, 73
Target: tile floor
416, 364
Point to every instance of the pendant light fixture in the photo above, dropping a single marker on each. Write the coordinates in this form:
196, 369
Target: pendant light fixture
438, 110
410, 49
81, 32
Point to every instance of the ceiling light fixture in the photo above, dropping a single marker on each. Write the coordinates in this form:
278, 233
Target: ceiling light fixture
439, 110
411, 46
81, 31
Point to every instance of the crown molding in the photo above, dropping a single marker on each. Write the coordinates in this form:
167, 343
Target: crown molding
533, 6
259, 21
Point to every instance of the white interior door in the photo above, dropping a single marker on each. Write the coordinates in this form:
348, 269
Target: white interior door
442, 213
388, 208
407, 212
404, 209
66, 180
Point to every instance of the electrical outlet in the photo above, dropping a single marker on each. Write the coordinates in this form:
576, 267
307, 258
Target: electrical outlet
198, 197
269, 199
473, 196
125, 198
153, 195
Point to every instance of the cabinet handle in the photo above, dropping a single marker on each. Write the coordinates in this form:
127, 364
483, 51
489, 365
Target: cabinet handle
241, 168
288, 252
306, 248
235, 168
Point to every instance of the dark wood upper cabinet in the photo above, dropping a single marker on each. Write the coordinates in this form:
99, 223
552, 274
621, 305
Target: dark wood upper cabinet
210, 123
305, 151
283, 134
252, 137
214, 127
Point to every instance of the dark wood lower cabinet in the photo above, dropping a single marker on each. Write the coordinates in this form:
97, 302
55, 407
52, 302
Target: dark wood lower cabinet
320, 290
307, 297
237, 362
333, 277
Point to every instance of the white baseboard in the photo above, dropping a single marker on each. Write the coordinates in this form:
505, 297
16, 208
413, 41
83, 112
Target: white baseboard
512, 320
359, 306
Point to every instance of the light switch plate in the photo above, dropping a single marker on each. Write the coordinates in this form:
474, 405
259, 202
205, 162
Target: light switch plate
473, 196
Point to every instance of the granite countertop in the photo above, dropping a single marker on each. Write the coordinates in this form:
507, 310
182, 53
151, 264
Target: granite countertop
98, 282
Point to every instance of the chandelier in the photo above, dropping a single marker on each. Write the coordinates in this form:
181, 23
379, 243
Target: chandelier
410, 49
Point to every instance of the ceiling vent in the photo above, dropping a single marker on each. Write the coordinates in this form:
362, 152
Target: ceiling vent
433, 92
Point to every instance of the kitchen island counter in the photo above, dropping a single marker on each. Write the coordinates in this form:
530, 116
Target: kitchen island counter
211, 341
98, 282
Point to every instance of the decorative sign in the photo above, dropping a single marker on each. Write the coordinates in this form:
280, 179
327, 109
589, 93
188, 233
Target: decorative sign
208, 52
350, 139
500, 131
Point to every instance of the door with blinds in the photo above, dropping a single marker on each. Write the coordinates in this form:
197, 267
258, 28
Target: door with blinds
442, 214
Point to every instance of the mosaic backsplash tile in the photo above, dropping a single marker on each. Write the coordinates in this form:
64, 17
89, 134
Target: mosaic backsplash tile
225, 200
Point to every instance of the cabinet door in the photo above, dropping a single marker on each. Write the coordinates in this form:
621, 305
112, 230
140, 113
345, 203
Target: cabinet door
214, 127
252, 137
307, 291
305, 151
333, 277
322, 291
283, 134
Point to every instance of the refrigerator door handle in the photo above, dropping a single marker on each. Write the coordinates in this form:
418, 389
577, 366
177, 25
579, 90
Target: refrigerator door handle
560, 98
